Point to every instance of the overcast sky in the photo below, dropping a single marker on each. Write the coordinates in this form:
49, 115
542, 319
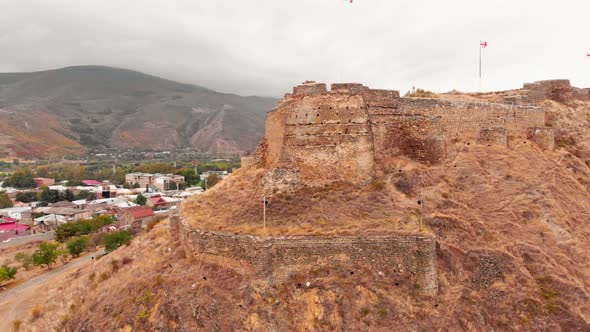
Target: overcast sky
264, 47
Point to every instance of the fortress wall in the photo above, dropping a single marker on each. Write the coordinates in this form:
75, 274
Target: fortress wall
323, 131
405, 259
276, 122
464, 120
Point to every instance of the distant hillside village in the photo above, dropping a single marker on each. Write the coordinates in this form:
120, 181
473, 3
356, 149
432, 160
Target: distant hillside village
143, 198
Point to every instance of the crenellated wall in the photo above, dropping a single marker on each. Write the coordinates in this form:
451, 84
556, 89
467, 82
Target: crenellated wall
353, 133
407, 260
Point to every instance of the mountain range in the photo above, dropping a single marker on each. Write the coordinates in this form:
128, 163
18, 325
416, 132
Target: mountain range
74, 110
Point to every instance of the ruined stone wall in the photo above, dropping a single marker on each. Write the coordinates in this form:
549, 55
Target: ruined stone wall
464, 120
407, 260
353, 133
329, 137
557, 90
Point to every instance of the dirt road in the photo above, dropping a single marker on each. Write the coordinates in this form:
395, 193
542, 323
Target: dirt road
17, 302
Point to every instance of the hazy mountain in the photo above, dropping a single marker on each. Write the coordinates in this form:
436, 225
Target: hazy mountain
70, 110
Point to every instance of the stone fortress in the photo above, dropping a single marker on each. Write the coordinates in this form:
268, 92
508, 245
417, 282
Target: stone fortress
355, 133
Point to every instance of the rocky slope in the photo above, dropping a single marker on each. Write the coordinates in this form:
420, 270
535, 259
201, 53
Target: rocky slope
67, 111
511, 225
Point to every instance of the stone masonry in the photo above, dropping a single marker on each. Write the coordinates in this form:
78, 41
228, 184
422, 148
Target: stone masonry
402, 259
354, 133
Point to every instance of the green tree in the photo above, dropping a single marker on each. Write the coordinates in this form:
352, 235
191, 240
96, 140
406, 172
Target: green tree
5, 201
81, 227
77, 245
69, 195
22, 178
7, 273
141, 200
46, 254
26, 196
114, 240
49, 195
24, 259
190, 177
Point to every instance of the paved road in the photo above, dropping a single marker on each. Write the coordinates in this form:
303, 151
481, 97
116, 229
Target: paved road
26, 239
7, 295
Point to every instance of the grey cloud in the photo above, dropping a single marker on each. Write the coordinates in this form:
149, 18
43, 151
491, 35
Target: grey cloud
264, 47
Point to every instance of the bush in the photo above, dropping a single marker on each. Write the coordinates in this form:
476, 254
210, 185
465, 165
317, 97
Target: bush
140, 200
77, 245
7, 273
25, 259
16, 325
114, 240
420, 93
37, 311
5, 201
81, 227
46, 254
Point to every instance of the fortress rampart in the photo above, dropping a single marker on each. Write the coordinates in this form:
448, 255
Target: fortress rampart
404, 260
353, 133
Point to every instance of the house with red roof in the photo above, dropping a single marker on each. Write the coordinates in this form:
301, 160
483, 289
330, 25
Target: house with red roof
136, 217
162, 203
92, 183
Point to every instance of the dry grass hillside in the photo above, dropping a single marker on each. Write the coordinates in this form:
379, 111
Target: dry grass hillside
511, 224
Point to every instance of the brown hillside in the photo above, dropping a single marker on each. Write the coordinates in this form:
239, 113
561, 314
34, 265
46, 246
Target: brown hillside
95, 107
512, 233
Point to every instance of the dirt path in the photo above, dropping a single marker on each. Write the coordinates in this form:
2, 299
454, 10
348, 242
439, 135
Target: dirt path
17, 302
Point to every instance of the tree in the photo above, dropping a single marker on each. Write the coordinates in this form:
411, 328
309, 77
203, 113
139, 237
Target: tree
190, 177
46, 254
50, 196
69, 195
7, 272
141, 200
21, 178
24, 259
5, 201
26, 196
212, 180
114, 240
77, 245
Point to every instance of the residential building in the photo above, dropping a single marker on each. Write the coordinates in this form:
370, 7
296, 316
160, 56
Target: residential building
40, 182
136, 217
160, 181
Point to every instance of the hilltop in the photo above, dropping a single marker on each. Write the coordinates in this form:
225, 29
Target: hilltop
71, 110
505, 177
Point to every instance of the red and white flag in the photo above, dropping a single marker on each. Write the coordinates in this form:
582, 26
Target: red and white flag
588, 54
483, 44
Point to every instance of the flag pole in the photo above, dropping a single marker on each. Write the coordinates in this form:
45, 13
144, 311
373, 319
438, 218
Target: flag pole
480, 66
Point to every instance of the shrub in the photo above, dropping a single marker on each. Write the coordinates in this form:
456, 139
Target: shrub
140, 200
404, 185
7, 273
46, 254
420, 93
114, 240
81, 227
37, 311
77, 245
16, 325
24, 259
